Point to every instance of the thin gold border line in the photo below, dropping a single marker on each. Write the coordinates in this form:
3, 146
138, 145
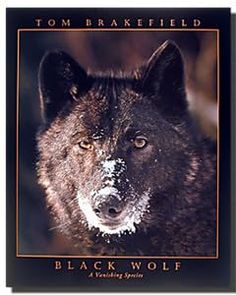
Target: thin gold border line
114, 29
17, 138
17, 147
118, 257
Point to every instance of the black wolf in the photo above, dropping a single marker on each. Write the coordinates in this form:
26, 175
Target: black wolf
125, 169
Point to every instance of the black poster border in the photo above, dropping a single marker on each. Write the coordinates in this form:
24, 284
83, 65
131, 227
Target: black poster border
27, 273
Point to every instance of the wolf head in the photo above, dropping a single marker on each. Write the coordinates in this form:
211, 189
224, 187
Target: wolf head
114, 148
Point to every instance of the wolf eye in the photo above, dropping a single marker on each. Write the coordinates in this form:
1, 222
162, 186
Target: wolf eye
140, 142
85, 145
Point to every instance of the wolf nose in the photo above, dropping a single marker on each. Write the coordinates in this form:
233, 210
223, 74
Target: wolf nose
107, 211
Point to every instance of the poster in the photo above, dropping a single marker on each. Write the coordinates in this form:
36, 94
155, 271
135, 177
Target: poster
118, 149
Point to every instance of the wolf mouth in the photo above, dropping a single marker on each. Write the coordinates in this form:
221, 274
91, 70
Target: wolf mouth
131, 216
111, 225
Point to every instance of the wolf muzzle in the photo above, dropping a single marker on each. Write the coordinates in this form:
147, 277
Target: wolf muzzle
109, 209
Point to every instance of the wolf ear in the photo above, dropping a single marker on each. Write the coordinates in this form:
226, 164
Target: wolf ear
163, 79
61, 80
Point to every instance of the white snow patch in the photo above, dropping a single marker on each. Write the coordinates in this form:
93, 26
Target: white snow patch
108, 191
132, 215
102, 194
113, 168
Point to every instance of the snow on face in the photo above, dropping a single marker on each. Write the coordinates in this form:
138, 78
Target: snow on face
132, 213
110, 170
131, 216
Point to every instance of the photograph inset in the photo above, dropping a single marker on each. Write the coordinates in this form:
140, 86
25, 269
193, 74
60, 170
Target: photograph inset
118, 144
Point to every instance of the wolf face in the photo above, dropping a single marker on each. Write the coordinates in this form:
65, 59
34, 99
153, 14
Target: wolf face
118, 155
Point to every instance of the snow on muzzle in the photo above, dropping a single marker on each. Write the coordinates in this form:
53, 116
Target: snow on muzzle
111, 209
107, 202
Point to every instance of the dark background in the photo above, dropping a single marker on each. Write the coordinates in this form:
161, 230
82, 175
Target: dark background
98, 51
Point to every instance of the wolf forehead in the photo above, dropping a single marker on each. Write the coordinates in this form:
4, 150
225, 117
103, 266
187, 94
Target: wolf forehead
109, 97
105, 109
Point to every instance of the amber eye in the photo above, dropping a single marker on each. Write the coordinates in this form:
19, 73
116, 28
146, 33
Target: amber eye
140, 142
86, 145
